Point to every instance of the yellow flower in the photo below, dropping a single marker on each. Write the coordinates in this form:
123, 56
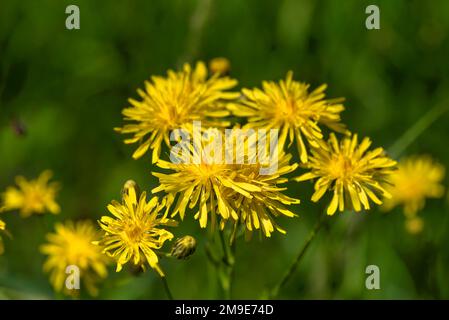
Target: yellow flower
219, 65
34, 196
414, 225
227, 190
134, 234
353, 173
71, 245
2, 228
417, 178
291, 108
268, 202
175, 102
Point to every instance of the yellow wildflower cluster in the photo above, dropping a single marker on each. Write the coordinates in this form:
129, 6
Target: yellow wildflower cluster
235, 193
223, 184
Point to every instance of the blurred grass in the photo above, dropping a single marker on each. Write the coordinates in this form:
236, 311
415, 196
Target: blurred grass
67, 88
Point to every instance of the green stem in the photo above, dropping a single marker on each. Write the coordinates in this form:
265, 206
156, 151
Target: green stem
227, 273
167, 288
289, 273
417, 129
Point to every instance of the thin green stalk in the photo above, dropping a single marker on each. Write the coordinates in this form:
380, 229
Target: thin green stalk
167, 288
417, 129
226, 274
289, 273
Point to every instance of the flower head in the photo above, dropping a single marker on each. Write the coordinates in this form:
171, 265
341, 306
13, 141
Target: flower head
350, 171
134, 233
227, 189
267, 202
174, 102
71, 245
417, 178
34, 196
291, 108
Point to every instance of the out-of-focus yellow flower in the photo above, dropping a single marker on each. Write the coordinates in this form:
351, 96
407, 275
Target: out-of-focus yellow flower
34, 196
291, 108
219, 65
174, 102
227, 190
134, 233
2, 228
184, 247
71, 245
417, 178
353, 173
414, 225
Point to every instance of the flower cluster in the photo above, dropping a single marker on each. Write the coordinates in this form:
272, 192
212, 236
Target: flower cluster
238, 185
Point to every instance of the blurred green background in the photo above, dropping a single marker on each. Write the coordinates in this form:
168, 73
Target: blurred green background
67, 89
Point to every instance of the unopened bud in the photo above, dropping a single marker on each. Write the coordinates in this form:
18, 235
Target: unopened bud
184, 247
130, 184
219, 65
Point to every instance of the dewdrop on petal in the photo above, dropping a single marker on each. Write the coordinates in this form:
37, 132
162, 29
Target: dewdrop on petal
184, 247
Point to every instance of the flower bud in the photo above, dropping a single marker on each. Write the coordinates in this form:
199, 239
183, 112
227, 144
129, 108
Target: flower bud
183, 247
219, 65
131, 184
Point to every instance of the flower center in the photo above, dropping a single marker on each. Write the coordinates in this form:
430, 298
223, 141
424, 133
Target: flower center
133, 233
286, 109
341, 167
35, 199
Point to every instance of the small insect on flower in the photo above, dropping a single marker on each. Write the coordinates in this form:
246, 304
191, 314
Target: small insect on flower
291, 108
34, 196
134, 233
2, 228
417, 178
71, 245
174, 102
183, 247
353, 173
